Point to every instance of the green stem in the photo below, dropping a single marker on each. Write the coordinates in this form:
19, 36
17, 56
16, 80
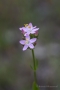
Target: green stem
34, 65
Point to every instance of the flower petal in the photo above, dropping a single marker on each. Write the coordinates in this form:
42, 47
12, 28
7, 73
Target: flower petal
27, 33
32, 32
20, 28
27, 36
35, 29
33, 40
25, 47
30, 24
25, 29
31, 46
22, 42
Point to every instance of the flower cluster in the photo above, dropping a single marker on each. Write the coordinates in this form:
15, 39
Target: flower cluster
30, 35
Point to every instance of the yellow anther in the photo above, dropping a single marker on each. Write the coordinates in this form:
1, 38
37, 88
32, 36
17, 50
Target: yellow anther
25, 25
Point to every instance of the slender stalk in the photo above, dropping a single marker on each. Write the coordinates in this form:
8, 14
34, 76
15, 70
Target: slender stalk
34, 65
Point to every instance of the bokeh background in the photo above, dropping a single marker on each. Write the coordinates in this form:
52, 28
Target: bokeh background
15, 71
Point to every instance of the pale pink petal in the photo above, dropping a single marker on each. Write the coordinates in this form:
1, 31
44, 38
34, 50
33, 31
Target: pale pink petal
22, 42
27, 33
20, 29
36, 29
30, 24
25, 47
31, 46
27, 37
33, 40
25, 29
33, 32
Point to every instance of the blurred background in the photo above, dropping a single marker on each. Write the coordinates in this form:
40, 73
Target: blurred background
15, 71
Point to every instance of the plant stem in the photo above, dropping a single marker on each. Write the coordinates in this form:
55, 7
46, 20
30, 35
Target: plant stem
34, 65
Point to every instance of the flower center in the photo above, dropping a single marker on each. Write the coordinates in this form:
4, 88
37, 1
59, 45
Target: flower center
27, 41
29, 26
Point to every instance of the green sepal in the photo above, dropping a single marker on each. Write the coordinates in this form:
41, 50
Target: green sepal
33, 36
36, 36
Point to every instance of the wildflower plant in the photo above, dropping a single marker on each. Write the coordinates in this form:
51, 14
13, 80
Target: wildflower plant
30, 36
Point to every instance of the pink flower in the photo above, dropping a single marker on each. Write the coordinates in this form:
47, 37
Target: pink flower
27, 42
23, 30
29, 29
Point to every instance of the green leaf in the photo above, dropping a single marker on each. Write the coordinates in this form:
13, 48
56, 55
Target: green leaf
36, 65
31, 67
35, 86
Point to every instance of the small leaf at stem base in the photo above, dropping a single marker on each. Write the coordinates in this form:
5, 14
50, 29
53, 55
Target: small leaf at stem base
35, 86
31, 67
